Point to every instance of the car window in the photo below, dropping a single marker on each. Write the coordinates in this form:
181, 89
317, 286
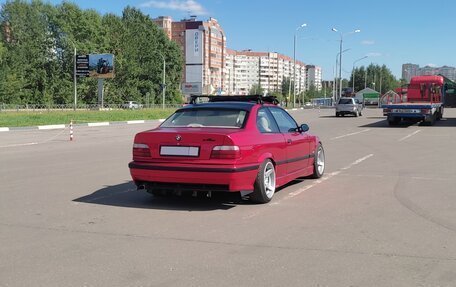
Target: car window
284, 120
266, 122
345, 101
218, 118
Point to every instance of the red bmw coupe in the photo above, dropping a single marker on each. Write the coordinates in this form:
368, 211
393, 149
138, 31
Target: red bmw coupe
243, 144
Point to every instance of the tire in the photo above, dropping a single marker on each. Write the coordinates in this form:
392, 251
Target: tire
265, 183
360, 114
337, 114
355, 114
319, 162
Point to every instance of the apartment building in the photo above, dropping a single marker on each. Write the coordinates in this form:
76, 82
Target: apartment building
247, 68
411, 70
203, 45
313, 77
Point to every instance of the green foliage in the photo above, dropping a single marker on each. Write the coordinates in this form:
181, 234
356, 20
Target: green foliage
37, 43
375, 77
256, 89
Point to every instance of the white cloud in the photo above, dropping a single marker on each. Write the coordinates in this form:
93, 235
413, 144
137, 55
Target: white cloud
374, 54
188, 6
431, 65
368, 42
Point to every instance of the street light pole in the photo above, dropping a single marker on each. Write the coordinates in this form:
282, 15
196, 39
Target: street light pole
164, 81
353, 72
74, 80
294, 66
163, 86
340, 55
335, 73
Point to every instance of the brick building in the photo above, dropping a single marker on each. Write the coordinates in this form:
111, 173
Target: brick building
203, 45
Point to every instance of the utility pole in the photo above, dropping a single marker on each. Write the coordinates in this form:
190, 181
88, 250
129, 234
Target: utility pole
74, 80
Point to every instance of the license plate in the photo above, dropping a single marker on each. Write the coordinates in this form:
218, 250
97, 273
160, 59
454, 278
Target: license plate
179, 151
412, 111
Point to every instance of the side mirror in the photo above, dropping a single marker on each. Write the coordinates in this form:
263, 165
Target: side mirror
304, 128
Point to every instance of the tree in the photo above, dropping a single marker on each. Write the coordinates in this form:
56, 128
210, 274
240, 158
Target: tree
376, 77
36, 62
256, 89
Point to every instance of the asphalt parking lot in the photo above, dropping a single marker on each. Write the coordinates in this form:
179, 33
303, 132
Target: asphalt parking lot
384, 214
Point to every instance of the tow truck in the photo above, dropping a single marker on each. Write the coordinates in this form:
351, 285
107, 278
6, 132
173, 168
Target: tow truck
423, 101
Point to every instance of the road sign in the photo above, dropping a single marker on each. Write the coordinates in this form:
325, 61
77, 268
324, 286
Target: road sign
82, 65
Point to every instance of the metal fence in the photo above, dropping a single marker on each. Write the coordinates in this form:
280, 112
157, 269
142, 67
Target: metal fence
80, 107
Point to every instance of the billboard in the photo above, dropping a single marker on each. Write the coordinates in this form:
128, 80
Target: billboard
101, 66
82, 65
192, 88
194, 47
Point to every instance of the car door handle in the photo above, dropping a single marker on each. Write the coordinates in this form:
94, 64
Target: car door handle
289, 141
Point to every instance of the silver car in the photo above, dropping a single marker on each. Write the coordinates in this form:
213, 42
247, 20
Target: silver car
132, 105
348, 106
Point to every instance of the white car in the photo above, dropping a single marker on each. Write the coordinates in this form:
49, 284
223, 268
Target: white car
132, 105
350, 106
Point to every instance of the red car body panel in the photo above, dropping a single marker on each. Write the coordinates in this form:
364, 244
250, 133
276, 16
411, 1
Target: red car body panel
292, 154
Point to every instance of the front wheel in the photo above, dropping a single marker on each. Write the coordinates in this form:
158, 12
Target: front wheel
319, 162
265, 183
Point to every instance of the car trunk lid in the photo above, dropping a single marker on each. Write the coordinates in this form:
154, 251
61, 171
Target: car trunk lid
183, 144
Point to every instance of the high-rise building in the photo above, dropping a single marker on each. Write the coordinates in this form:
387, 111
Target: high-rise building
410, 70
247, 69
203, 45
314, 76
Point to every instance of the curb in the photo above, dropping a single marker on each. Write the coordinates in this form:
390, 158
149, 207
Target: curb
63, 126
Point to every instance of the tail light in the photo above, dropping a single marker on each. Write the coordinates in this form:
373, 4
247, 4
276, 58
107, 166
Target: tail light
226, 152
425, 111
141, 150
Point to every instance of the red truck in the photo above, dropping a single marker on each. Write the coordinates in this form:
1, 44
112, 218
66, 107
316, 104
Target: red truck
423, 101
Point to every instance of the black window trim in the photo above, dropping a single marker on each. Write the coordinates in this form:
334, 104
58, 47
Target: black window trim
276, 125
289, 131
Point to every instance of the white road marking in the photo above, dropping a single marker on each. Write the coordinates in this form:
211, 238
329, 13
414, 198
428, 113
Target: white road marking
51, 127
315, 183
358, 161
136, 122
16, 145
4, 129
410, 135
351, 134
98, 124
329, 176
431, 178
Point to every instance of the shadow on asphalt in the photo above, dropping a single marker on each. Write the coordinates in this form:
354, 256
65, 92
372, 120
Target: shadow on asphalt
445, 122
126, 195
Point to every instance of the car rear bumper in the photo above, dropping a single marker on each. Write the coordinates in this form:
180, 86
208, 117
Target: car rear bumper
226, 178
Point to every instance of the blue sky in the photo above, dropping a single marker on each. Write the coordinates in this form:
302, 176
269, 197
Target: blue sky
392, 32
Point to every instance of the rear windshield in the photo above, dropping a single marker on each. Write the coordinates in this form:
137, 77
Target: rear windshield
216, 118
345, 101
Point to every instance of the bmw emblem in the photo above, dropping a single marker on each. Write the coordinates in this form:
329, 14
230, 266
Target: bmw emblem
178, 137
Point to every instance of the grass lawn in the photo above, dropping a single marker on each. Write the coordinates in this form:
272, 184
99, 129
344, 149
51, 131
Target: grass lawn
25, 118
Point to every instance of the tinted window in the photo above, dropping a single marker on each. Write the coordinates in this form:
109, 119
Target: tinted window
219, 118
265, 122
284, 120
345, 101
